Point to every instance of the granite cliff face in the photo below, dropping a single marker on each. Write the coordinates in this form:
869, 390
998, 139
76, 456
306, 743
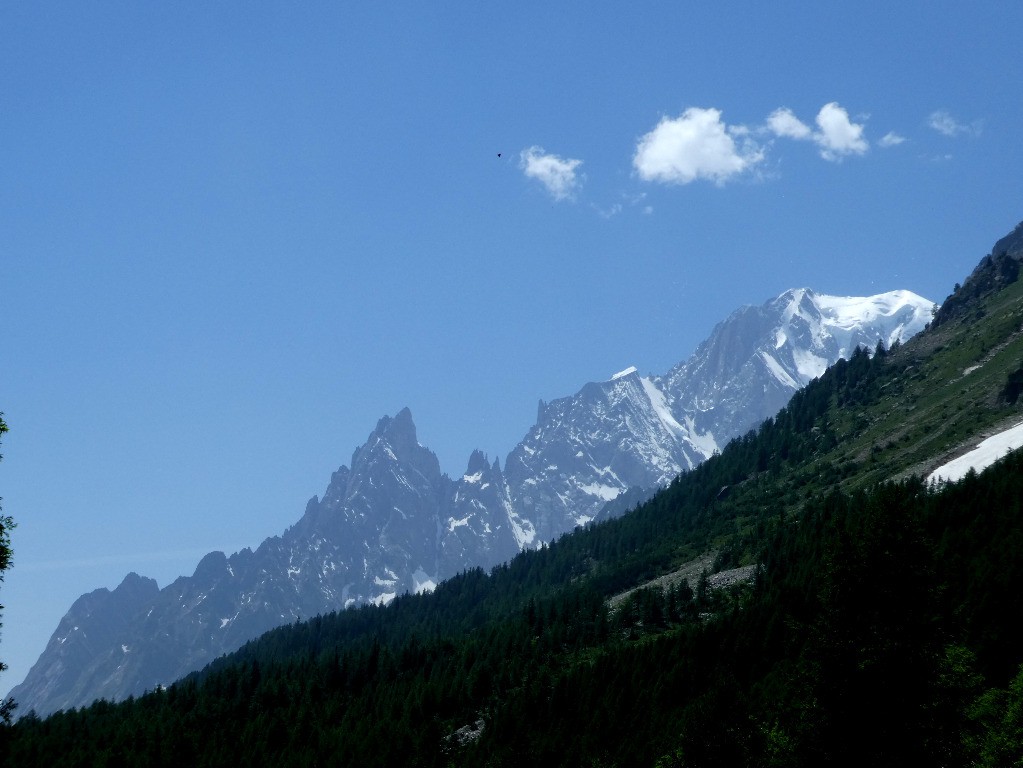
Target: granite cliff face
752, 362
637, 431
392, 522
586, 450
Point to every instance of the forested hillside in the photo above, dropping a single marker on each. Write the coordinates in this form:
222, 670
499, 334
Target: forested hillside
879, 628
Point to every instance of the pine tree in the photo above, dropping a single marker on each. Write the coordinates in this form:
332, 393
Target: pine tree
6, 524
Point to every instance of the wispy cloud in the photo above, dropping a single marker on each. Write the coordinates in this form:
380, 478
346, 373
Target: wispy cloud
891, 139
557, 174
628, 200
941, 121
695, 145
610, 212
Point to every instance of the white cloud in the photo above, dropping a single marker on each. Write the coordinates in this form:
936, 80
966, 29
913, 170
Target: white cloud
838, 135
609, 213
891, 139
627, 200
944, 123
695, 145
782, 122
555, 173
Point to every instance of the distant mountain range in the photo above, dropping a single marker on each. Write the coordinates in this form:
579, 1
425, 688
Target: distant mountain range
393, 523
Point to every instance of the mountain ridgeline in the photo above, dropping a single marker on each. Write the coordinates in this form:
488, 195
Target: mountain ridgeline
875, 625
391, 522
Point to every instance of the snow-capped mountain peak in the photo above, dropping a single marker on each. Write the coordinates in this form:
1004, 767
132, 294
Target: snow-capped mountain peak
752, 362
893, 316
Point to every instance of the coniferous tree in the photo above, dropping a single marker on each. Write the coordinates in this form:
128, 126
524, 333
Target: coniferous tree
6, 524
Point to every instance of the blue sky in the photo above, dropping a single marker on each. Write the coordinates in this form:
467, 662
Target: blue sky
234, 235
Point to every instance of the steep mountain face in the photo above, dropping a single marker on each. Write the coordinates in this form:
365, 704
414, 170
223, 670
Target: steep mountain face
585, 450
479, 525
995, 271
1011, 245
390, 524
96, 622
753, 361
393, 523
635, 431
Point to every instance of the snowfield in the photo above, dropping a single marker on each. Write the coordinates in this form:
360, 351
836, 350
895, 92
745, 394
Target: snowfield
983, 456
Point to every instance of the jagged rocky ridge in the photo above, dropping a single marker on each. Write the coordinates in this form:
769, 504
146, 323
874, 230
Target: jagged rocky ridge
393, 522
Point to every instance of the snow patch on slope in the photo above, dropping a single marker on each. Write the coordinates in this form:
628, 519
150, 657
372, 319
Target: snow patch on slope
660, 406
606, 492
778, 372
422, 581
522, 529
809, 365
704, 443
983, 456
626, 372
